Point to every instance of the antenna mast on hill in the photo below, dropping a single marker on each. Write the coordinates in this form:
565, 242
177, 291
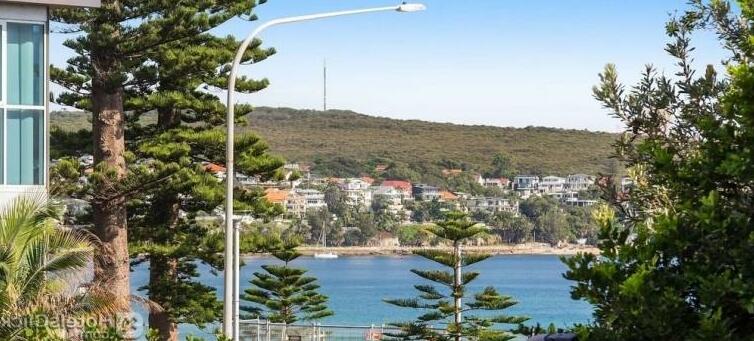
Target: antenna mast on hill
324, 78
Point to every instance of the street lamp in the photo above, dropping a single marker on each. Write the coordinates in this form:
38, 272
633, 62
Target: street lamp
232, 252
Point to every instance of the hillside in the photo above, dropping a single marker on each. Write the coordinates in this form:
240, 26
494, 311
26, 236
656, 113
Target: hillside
302, 135
347, 143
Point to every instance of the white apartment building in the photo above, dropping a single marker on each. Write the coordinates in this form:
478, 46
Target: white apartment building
552, 184
315, 200
492, 205
24, 104
579, 182
357, 192
392, 196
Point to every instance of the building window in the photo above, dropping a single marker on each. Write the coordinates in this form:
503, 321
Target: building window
22, 104
25, 147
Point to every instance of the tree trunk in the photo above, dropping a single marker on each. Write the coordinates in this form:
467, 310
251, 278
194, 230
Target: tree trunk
111, 266
162, 270
457, 289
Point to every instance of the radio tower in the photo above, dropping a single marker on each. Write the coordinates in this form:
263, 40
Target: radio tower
324, 92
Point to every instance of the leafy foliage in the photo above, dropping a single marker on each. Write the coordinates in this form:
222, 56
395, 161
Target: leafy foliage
445, 306
39, 264
676, 250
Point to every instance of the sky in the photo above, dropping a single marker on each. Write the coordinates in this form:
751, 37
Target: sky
492, 62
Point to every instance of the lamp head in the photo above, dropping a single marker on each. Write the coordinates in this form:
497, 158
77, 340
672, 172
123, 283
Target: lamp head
406, 7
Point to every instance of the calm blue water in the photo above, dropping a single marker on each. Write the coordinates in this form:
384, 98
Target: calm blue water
357, 285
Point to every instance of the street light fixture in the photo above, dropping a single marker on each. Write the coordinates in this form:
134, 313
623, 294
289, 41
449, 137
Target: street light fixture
232, 239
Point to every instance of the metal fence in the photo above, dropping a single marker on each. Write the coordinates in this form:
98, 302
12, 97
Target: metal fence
261, 330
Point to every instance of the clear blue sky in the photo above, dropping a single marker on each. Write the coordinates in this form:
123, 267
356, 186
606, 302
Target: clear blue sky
493, 62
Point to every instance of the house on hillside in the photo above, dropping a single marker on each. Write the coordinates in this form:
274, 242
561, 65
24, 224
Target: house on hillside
552, 184
315, 200
357, 192
579, 182
491, 205
526, 185
294, 203
403, 186
579, 202
390, 196
24, 100
425, 192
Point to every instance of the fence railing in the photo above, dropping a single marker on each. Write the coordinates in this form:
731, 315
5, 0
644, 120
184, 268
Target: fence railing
261, 330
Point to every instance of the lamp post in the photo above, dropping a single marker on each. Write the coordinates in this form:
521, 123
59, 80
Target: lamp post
232, 253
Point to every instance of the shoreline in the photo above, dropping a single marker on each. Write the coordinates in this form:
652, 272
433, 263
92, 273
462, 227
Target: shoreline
496, 250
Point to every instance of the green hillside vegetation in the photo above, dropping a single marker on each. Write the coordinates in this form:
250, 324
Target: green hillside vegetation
345, 143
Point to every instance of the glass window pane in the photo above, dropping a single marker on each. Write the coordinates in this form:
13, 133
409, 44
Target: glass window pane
2, 145
25, 147
25, 64
1, 69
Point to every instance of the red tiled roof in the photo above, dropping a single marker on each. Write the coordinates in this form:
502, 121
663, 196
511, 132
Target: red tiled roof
275, 196
398, 184
448, 196
213, 168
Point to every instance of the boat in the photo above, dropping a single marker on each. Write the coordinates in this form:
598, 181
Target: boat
326, 254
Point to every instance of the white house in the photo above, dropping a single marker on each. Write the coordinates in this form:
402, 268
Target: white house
552, 184
24, 104
492, 205
357, 192
315, 200
526, 185
579, 182
391, 196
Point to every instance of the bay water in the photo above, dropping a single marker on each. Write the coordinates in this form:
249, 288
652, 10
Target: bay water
356, 287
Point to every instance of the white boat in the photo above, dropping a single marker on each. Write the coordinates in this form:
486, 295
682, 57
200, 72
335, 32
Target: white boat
326, 255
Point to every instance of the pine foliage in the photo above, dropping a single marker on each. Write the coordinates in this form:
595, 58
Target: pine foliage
442, 303
284, 294
168, 63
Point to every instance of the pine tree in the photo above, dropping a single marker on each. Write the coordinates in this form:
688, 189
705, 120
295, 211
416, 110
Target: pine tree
284, 294
445, 306
157, 57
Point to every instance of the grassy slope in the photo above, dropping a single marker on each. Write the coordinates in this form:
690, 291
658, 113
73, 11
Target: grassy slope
302, 135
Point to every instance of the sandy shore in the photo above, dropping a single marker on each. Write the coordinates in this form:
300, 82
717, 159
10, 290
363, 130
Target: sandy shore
521, 249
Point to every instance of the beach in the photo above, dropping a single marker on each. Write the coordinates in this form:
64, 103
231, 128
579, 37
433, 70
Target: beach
518, 249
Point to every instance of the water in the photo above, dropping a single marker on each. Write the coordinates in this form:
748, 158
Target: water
356, 286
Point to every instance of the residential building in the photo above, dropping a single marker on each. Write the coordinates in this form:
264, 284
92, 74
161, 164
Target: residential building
390, 196
357, 192
448, 196
315, 200
295, 204
579, 182
492, 205
526, 185
24, 104
552, 184
579, 202
403, 186
564, 195
523, 182
425, 192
